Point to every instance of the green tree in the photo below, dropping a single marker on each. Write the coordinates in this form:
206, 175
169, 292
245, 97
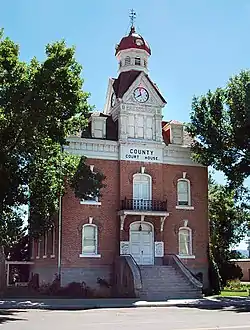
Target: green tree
228, 220
41, 104
220, 126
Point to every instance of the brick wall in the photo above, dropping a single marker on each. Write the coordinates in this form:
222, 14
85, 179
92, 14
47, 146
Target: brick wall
119, 179
245, 267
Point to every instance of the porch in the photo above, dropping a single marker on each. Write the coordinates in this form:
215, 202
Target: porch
141, 229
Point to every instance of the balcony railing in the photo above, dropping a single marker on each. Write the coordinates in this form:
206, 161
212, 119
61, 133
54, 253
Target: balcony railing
143, 205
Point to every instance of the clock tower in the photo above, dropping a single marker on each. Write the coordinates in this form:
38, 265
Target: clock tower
133, 100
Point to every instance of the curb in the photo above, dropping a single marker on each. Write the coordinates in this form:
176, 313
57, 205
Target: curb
82, 304
201, 305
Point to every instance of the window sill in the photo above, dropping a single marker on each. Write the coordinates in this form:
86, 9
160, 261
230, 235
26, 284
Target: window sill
89, 255
184, 207
52, 256
44, 257
37, 257
186, 257
90, 203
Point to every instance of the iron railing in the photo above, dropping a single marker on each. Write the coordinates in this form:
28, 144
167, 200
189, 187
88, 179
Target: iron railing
143, 205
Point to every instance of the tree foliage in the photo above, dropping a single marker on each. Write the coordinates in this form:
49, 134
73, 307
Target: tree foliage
220, 124
228, 223
41, 104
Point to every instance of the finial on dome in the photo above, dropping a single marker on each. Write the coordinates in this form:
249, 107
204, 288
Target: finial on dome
132, 17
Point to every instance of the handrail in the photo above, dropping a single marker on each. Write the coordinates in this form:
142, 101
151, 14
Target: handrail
185, 271
135, 269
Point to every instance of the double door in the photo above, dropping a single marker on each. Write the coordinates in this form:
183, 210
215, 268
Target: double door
141, 247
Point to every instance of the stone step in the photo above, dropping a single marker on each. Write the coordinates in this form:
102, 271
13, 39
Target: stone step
168, 287
171, 293
171, 296
165, 282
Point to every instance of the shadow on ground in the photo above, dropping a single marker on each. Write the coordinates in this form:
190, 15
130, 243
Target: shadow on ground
234, 304
7, 315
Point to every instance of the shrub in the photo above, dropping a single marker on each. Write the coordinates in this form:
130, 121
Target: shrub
236, 285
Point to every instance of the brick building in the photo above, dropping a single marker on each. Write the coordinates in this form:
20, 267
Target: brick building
151, 222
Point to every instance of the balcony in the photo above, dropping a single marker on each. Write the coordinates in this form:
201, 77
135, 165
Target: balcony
143, 205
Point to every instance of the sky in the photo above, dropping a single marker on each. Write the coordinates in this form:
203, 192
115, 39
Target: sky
196, 44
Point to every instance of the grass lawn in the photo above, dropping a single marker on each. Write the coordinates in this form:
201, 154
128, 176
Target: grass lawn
234, 294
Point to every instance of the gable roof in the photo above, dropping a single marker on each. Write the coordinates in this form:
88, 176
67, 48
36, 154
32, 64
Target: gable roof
126, 79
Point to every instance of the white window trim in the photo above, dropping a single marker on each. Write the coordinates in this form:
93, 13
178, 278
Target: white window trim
189, 206
90, 202
90, 255
186, 256
184, 207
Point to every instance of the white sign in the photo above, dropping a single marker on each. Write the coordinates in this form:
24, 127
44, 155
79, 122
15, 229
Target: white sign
141, 154
124, 247
159, 249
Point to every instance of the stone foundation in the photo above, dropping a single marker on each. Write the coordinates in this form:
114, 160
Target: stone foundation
46, 274
87, 275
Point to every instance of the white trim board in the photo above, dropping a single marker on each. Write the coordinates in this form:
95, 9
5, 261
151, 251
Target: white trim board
114, 150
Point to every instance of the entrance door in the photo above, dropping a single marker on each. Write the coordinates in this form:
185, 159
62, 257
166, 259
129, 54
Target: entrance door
141, 243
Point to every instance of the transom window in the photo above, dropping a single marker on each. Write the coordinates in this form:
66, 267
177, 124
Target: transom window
89, 239
183, 192
185, 241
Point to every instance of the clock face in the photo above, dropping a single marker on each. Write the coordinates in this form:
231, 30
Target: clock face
141, 94
113, 99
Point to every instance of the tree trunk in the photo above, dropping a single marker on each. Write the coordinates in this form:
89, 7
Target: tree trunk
2, 271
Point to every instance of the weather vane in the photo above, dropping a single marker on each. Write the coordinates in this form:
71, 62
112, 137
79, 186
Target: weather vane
132, 17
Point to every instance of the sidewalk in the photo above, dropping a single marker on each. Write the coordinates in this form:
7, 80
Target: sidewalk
82, 304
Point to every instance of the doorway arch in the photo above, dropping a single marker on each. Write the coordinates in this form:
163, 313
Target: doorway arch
141, 242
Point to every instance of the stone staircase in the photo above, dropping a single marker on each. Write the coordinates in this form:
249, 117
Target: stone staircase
165, 282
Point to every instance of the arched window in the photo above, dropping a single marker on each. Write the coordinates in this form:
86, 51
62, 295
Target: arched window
183, 192
142, 191
89, 239
137, 61
127, 60
185, 241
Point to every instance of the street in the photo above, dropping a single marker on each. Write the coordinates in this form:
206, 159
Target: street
162, 318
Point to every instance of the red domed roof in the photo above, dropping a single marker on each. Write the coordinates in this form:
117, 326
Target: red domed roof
133, 40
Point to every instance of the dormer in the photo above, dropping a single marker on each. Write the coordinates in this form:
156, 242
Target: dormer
173, 132
98, 125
